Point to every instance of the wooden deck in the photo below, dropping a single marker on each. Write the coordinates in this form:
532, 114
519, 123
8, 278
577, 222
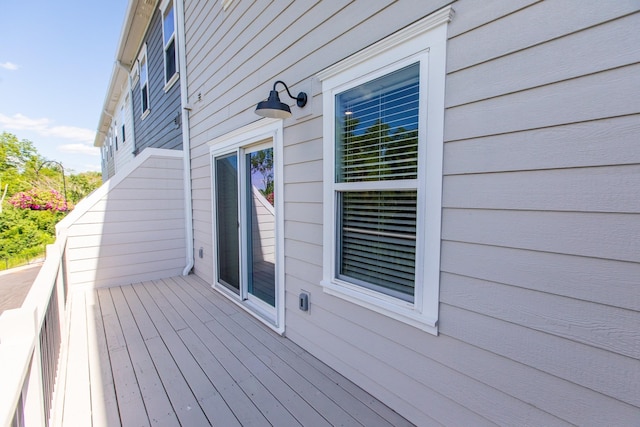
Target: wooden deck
174, 352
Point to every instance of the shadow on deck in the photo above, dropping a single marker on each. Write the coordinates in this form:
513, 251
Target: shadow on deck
174, 352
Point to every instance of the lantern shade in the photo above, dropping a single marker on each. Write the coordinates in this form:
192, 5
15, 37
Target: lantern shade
273, 108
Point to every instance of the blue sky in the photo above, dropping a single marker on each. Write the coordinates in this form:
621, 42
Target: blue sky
55, 64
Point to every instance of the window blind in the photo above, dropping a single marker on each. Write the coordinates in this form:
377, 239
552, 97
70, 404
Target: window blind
377, 141
378, 133
378, 236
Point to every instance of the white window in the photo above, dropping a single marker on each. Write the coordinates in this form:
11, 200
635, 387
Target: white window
169, 43
123, 133
383, 124
110, 144
115, 134
144, 82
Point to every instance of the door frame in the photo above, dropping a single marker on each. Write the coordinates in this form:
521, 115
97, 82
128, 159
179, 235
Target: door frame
252, 134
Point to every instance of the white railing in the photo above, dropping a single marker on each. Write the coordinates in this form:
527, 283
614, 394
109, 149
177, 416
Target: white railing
32, 337
30, 342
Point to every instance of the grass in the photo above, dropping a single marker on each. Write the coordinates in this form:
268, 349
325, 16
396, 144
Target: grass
29, 256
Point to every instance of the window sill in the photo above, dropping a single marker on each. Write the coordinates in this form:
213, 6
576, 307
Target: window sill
388, 306
145, 114
171, 82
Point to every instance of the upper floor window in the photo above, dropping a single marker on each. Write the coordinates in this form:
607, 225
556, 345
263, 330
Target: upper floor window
169, 43
115, 134
122, 126
144, 81
110, 144
383, 112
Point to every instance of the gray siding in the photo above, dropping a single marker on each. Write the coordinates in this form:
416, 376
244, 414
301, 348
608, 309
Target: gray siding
162, 127
540, 271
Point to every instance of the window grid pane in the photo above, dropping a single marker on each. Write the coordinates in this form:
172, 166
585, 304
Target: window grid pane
377, 134
378, 240
145, 98
170, 60
143, 71
168, 26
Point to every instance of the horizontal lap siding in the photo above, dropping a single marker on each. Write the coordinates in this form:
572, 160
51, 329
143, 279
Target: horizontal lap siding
134, 232
571, 145
534, 156
124, 153
609, 93
540, 264
540, 23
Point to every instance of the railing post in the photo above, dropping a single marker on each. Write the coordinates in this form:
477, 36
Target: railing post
34, 399
18, 338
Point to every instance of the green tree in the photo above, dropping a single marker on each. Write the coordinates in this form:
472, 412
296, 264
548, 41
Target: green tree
18, 160
25, 230
81, 185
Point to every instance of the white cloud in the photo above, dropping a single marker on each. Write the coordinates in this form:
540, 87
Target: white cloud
9, 66
71, 132
79, 149
81, 139
45, 127
21, 122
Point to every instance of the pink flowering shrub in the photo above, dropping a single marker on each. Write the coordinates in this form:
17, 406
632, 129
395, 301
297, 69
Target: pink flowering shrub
270, 198
37, 199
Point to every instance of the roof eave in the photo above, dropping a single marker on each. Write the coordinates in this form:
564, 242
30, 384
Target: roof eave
134, 27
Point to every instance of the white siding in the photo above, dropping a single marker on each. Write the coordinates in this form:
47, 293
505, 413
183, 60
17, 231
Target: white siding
132, 228
118, 159
540, 288
124, 154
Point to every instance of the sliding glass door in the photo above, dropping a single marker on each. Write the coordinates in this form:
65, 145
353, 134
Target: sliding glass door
227, 221
245, 224
260, 224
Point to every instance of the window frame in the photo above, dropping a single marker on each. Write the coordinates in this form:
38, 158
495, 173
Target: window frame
115, 134
144, 77
423, 42
168, 83
123, 122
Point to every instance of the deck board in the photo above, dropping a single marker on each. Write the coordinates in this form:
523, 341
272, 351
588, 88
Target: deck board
103, 395
78, 412
175, 352
129, 398
249, 379
356, 401
184, 382
156, 402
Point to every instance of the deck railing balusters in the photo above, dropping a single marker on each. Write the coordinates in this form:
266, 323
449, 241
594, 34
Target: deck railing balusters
31, 338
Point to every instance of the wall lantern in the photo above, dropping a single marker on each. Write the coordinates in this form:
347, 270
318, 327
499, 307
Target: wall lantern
276, 109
